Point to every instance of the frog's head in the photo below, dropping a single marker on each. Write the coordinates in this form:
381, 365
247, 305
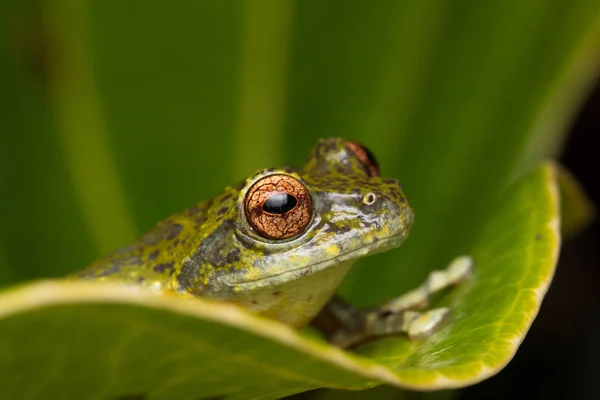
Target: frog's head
288, 223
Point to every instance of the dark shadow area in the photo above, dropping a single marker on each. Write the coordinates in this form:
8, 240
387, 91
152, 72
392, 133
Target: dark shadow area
560, 357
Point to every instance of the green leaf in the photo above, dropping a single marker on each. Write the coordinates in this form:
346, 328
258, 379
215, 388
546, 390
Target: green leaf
92, 340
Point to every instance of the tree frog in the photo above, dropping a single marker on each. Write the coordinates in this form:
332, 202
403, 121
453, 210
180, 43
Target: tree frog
280, 242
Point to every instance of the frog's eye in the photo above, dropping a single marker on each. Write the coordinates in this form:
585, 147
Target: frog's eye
278, 207
366, 158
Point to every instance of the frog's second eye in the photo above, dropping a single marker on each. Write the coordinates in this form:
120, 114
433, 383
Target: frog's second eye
366, 158
278, 207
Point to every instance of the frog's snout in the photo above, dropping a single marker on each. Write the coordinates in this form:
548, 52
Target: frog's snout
391, 204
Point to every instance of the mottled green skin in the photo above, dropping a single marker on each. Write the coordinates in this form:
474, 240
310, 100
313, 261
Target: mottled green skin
210, 250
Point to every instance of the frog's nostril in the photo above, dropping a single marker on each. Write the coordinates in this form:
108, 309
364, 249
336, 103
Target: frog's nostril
369, 199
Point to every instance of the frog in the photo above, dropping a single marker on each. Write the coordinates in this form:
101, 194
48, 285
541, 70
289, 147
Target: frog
280, 242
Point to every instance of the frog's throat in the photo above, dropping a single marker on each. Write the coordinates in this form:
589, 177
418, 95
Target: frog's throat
297, 273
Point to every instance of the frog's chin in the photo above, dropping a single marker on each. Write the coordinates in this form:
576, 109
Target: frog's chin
297, 273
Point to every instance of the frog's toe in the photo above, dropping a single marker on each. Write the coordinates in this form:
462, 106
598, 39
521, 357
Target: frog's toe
424, 324
460, 269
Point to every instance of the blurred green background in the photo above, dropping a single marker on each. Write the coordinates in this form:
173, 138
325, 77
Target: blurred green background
116, 114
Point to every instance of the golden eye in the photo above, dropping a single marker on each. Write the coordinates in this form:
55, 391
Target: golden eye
278, 207
366, 158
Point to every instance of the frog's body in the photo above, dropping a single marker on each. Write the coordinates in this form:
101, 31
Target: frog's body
211, 250
279, 243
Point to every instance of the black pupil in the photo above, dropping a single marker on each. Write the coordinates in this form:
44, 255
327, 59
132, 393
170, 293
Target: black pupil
279, 203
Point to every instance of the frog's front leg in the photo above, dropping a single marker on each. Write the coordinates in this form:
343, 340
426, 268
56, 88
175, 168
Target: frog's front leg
353, 326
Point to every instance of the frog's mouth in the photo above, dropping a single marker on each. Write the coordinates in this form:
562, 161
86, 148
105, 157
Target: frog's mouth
297, 273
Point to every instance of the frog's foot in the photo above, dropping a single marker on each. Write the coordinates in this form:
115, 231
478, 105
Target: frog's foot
398, 315
458, 271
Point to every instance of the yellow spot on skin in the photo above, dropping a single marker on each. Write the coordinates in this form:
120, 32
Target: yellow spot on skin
299, 260
332, 250
252, 273
385, 230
